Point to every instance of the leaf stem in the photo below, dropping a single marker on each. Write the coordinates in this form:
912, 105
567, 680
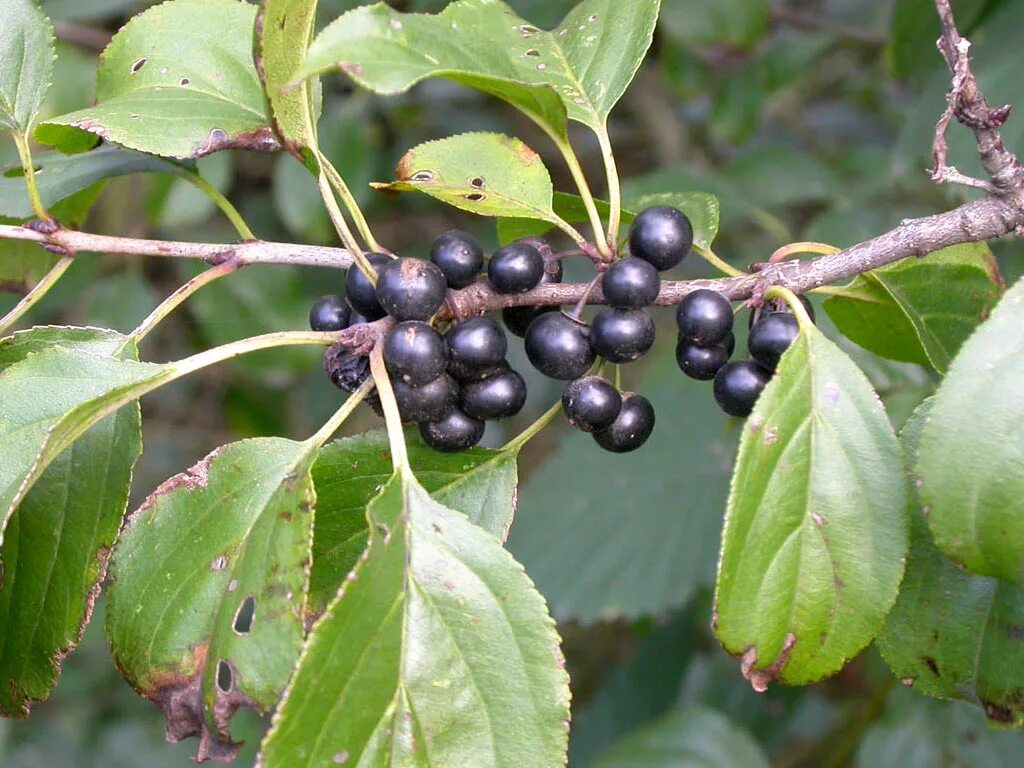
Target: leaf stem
199, 182
342, 228
614, 190
792, 249
797, 306
392, 419
226, 352
39, 290
349, 200
29, 169
531, 431
717, 262
573, 163
334, 423
176, 299
569, 229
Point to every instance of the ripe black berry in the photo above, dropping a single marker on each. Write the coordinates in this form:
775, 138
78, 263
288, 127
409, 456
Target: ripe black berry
357, 319
360, 291
704, 317
700, 362
476, 349
459, 256
662, 236
518, 319
455, 432
415, 353
622, 335
330, 313
771, 336
591, 403
559, 346
631, 427
430, 402
631, 283
411, 289
738, 385
516, 268
498, 396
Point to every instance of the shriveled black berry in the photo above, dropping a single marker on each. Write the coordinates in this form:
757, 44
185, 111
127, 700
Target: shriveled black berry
771, 336
415, 353
779, 305
704, 317
631, 427
661, 235
699, 362
411, 289
738, 385
559, 346
459, 256
476, 348
622, 335
430, 402
347, 371
631, 283
499, 396
330, 313
457, 431
516, 268
591, 403
361, 293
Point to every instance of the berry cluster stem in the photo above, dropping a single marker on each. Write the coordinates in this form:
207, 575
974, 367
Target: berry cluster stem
39, 290
334, 423
392, 418
176, 299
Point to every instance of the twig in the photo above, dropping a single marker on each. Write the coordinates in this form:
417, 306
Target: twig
822, 23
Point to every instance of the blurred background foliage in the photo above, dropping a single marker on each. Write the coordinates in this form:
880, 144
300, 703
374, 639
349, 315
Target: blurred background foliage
810, 119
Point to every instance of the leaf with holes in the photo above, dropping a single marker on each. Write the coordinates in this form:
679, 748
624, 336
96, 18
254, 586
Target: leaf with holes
403, 664
972, 448
816, 526
920, 310
178, 81
26, 62
480, 483
209, 583
55, 551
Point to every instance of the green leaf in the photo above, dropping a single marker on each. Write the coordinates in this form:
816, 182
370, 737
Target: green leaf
480, 483
27, 54
178, 81
687, 737
968, 471
57, 543
566, 206
209, 586
438, 651
920, 310
816, 527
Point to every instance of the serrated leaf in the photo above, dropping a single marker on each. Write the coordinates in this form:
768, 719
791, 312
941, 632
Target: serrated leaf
178, 81
815, 531
402, 670
27, 53
920, 310
55, 551
480, 483
209, 584
972, 448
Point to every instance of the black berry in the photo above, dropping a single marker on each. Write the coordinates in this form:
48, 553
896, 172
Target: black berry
591, 403
518, 319
516, 268
360, 291
771, 336
631, 427
348, 371
415, 353
700, 362
738, 385
355, 318
559, 346
631, 283
622, 335
779, 305
476, 349
704, 317
459, 257
498, 396
661, 235
411, 289
455, 432
430, 402
330, 313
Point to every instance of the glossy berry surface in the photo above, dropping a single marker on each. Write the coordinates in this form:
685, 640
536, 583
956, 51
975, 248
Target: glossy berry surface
771, 336
415, 353
738, 385
516, 268
476, 348
559, 346
459, 256
518, 319
699, 362
330, 313
457, 431
622, 335
498, 396
360, 291
430, 402
661, 235
411, 289
630, 283
704, 317
591, 403
631, 427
